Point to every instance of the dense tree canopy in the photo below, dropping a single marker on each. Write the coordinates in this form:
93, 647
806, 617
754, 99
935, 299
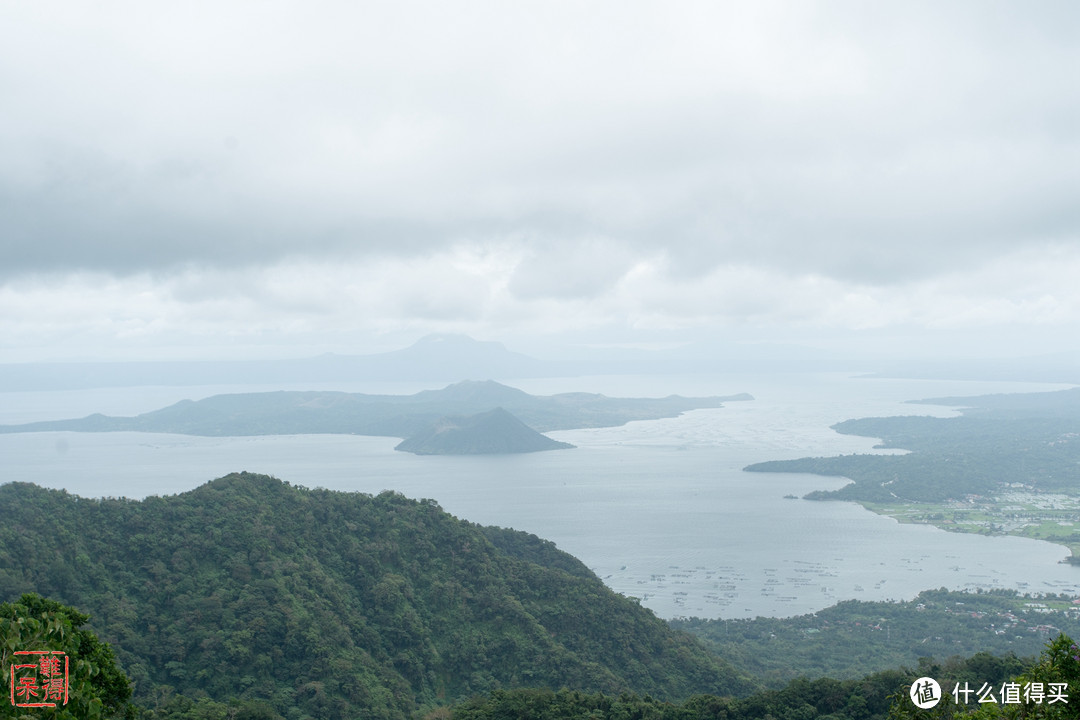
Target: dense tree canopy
854, 637
1056, 674
335, 604
96, 686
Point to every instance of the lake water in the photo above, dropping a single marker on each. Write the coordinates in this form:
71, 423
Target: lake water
661, 510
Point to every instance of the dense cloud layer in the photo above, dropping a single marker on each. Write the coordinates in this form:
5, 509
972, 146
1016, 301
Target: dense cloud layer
484, 166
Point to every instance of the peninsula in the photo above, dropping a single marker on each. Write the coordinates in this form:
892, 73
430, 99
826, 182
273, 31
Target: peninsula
1009, 465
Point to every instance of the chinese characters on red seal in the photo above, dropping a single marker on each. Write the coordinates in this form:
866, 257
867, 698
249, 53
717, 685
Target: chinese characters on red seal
39, 678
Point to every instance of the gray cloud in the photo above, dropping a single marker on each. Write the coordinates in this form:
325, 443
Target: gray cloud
871, 146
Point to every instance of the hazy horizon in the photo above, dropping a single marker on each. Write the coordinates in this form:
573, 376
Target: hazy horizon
206, 182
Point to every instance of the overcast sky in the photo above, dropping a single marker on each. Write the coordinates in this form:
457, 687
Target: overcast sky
230, 179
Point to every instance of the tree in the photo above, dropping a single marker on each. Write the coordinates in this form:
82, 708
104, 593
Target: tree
97, 688
1055, 673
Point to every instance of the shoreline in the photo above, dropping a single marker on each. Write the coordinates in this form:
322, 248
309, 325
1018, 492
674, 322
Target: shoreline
1058, 524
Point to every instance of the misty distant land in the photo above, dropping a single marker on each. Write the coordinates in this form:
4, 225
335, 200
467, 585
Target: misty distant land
445, 358
437, 359
1008, 465
458, 419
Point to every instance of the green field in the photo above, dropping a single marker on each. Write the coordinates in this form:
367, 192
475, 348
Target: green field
1053, 518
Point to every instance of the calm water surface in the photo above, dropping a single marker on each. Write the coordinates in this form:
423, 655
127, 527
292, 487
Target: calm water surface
661, 510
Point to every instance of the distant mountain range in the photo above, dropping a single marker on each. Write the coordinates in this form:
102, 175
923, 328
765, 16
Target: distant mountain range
445, 358
293, 413
439, 358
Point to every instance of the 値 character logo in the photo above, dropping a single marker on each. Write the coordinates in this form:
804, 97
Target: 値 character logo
925, 693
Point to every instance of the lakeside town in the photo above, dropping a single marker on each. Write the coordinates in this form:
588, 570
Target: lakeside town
1016, 510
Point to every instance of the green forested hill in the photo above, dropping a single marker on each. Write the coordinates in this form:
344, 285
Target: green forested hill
1030, 439
334, 605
